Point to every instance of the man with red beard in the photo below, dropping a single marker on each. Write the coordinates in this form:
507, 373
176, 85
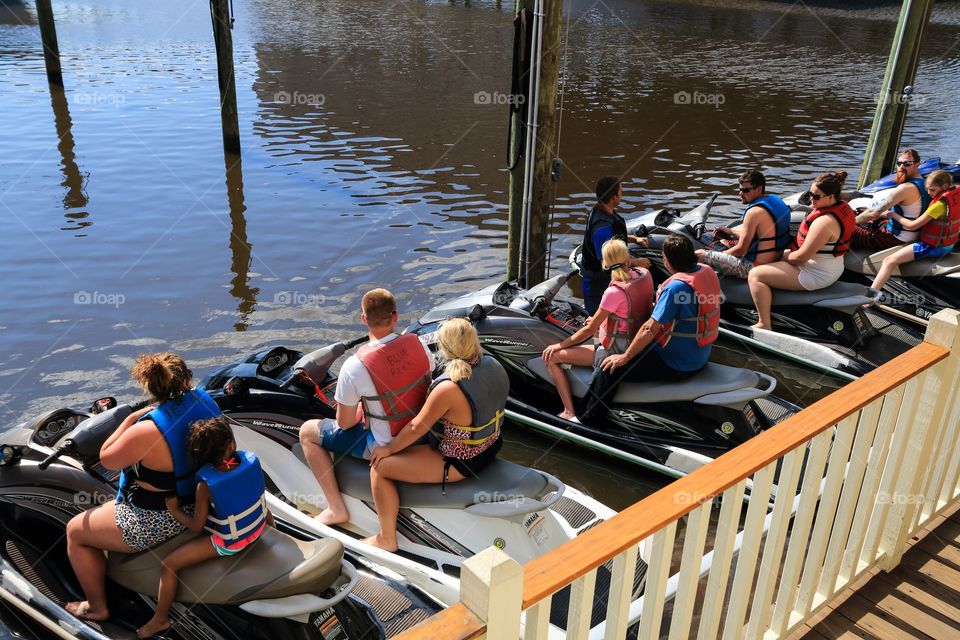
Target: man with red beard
909, 199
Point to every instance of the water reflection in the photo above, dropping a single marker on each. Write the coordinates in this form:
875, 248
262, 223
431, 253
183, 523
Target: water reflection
240, 249
74, 181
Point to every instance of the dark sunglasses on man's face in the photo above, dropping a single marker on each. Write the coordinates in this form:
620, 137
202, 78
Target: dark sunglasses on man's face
907, 163
745, 189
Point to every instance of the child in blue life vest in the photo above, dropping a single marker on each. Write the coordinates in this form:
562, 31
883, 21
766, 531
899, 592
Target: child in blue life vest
229, 504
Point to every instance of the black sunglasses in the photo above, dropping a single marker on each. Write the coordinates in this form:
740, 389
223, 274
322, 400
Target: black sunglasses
816, 196
905, 164
745, 189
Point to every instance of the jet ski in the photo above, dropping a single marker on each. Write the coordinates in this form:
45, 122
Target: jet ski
926, 168
289, 584
831, 329
672, 427
521, 510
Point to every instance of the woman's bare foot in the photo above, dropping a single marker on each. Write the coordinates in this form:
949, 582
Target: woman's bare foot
153, 627
379, 541
82, 610
761, 326
567, 415
330, 517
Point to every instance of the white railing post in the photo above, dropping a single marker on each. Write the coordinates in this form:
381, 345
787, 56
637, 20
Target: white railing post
935, 389
491, 586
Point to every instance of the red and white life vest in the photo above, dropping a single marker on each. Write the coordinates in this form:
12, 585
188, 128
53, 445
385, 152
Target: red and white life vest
617, 331
846, 218
400, 371
706, 288
946, 230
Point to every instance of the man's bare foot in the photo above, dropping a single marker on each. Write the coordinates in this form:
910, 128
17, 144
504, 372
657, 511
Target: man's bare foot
760, 326
379, 541
153, 627
330, 516
82, 610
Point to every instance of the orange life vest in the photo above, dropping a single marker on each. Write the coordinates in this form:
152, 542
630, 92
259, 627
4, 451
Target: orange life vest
845, 216
617, 331
400, 371
946, 230
706, 288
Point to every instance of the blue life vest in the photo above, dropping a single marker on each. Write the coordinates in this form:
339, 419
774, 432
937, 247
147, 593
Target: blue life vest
780, 212
237, 506
173, 418
894, 226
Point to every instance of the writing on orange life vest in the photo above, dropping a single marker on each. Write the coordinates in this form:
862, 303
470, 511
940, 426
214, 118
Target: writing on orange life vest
845, 216
708, 296
400, 371
946, 230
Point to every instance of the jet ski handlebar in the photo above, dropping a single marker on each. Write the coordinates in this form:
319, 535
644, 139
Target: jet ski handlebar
315, 365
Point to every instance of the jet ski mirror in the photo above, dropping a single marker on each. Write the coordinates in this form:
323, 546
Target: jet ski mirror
103, 404
235, 387
477, 313
665, 216
642, 231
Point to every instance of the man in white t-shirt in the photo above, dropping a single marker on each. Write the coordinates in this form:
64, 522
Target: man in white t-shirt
391, 368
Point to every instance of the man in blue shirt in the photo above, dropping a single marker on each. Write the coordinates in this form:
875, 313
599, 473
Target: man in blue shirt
682, 328
604, 223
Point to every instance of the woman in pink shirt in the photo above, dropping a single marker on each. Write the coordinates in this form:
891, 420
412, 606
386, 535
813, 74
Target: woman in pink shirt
625, 305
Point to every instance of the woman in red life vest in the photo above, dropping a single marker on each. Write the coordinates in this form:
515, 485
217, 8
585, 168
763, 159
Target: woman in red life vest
816, 259
939, 227
463, 415
625, 305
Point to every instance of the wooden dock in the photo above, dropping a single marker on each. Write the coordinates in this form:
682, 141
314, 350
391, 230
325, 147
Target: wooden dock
918, 599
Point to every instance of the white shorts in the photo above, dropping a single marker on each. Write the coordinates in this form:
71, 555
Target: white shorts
820, 272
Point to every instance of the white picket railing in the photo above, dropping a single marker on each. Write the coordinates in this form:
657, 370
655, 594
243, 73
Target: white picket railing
855, 476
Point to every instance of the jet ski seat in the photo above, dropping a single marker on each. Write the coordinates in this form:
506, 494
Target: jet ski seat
500, 481
869, 263
713, 380
839, 294
276, 566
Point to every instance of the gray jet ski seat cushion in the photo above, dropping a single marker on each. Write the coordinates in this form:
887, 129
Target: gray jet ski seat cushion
869, 263
715, 378
501, 479
276, 566
737, 291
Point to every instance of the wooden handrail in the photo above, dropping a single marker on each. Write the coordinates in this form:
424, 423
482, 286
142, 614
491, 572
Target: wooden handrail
546, 575
456, 622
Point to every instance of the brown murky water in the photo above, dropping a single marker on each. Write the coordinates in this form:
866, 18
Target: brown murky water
373, 149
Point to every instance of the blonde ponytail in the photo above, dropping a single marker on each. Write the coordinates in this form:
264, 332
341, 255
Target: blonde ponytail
460, 345
616, 258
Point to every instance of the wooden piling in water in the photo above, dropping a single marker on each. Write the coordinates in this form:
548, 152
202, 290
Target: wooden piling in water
220, 14
48, 38
546, 143
515, 152
894, 96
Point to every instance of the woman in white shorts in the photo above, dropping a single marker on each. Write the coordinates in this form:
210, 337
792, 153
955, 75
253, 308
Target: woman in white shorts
815, 260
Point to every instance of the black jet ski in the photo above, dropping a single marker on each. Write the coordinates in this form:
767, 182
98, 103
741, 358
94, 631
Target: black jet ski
831, 329
288, 585
271, 394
